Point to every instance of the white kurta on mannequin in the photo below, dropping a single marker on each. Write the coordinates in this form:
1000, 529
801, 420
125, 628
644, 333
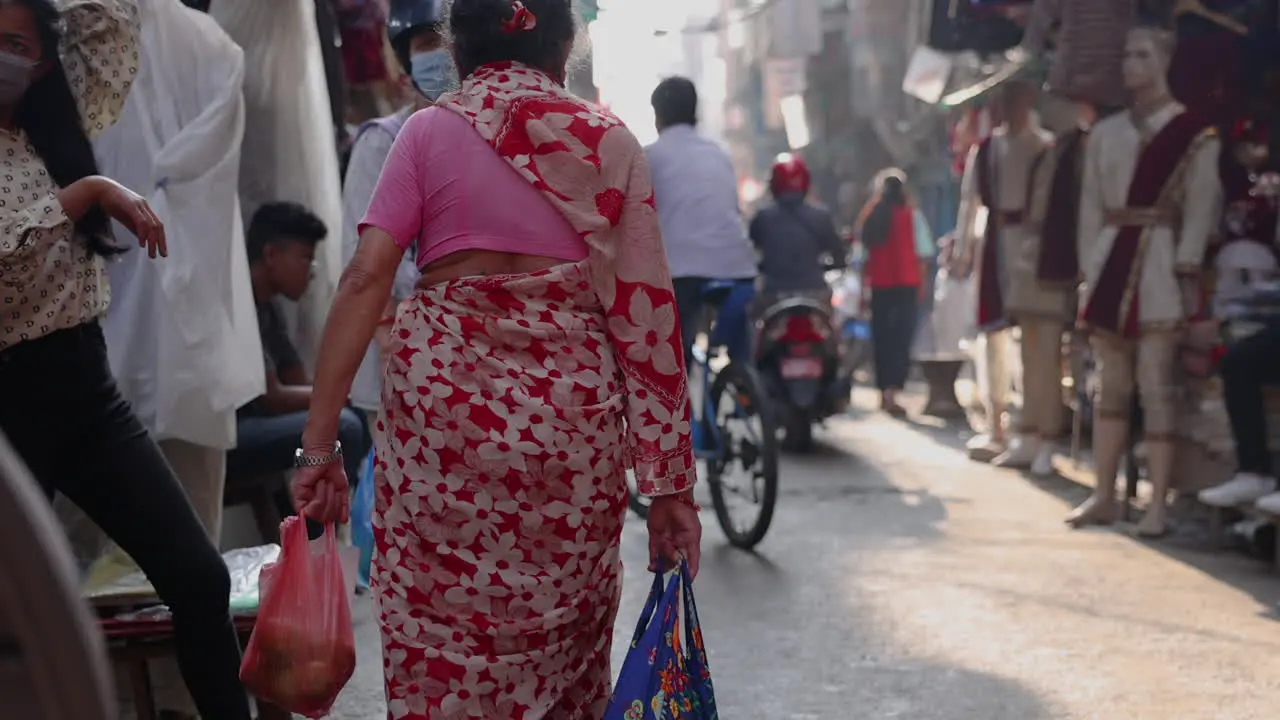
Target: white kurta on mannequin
1111, 157
1011, 158
289, 149
182, 332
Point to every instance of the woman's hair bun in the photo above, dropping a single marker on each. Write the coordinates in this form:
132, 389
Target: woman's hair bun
481, 34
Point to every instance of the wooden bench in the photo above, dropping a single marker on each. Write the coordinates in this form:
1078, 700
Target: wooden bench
132, 643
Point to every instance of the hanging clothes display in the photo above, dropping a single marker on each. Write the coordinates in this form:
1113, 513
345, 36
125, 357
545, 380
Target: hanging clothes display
362, 26
288, 152
1088, 47
182, 333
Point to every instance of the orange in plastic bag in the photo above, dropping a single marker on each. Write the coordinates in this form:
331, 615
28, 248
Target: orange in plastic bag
303, 648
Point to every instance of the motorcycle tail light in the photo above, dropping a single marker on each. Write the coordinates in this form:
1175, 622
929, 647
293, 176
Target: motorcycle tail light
802, 329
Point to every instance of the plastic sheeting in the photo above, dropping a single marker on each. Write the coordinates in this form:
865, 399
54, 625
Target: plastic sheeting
244, 566
289, 152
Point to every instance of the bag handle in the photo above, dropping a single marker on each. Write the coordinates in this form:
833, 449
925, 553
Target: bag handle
650, 607
692, 625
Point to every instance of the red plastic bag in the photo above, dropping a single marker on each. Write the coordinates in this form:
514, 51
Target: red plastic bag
303, 648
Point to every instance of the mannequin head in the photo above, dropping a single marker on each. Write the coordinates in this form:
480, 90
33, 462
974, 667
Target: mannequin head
1147, 53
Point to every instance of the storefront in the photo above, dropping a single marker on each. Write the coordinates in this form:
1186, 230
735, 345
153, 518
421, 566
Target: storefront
1223, 65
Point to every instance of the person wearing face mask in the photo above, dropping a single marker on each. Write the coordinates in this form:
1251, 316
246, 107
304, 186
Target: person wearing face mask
414, 29
66, 70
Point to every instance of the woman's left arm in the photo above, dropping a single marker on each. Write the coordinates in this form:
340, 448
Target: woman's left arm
391, 223
99, 51
632, 279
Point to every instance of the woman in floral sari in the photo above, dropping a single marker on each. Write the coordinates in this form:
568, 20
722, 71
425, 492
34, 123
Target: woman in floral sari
538, 361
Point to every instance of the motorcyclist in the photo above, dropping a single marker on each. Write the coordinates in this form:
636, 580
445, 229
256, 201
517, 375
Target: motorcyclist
796, 239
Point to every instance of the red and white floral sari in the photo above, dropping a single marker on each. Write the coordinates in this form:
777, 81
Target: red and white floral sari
512, 406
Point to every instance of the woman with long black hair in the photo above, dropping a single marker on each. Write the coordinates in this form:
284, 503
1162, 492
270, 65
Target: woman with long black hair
898, 248
64, 76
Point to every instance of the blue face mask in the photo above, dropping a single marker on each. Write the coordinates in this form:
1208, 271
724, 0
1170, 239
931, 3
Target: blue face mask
432, 73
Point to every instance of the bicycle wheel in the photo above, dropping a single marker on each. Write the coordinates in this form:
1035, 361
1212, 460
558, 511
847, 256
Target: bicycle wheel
746, 466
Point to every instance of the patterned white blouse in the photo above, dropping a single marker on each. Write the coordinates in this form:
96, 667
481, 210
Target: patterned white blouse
49, 279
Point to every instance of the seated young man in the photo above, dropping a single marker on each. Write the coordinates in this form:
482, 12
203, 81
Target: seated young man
1250, 366
282, 240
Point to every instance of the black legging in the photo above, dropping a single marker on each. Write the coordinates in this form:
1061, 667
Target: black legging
893, 329
1249, 366
62, 412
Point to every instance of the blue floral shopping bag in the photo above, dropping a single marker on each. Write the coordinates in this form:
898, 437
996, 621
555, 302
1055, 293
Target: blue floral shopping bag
665, 675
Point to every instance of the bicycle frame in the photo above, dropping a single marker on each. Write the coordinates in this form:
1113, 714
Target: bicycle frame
710, 447
707, 448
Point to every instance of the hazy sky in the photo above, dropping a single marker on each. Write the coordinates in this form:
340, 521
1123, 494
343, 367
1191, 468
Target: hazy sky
630, 60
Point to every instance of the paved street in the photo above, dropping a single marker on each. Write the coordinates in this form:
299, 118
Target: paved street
902, 581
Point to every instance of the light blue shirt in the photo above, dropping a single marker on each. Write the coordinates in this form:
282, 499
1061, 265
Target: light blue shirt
368, 156
696, 191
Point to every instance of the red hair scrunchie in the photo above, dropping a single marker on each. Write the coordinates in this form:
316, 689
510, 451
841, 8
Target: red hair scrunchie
522, 19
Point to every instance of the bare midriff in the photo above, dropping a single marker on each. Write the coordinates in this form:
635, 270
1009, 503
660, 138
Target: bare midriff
479, 263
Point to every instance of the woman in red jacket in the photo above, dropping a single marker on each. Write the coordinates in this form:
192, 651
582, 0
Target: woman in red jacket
894, 271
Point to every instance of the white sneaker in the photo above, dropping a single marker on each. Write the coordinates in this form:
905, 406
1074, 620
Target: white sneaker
1269, 504
1242, 489
1042, 466
1020, 455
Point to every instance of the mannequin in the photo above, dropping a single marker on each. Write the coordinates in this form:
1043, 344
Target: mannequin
995, 187
1042, 298
1150, 201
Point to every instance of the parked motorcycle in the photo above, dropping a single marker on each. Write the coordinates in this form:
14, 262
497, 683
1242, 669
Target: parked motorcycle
798, 355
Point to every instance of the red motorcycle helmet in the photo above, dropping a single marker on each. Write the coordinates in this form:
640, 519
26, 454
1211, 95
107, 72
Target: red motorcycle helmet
789, 175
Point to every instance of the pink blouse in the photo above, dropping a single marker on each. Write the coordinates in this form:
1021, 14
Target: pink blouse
445, 189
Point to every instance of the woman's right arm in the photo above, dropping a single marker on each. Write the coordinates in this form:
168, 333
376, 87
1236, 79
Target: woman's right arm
392, 222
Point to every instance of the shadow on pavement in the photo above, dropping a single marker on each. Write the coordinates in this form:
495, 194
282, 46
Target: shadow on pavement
792, 631
1072, 484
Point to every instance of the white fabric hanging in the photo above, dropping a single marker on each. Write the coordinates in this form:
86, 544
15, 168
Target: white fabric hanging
182, 333
289, 148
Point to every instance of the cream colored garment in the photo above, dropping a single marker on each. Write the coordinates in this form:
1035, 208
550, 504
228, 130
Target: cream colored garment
1110, 159
996, 367
1151, 362
1041, 347
289, 149
1011, 157
1028, 296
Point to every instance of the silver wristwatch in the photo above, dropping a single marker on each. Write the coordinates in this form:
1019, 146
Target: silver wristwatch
301, 459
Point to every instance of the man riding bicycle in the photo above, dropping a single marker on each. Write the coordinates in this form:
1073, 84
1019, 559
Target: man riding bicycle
696, 193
